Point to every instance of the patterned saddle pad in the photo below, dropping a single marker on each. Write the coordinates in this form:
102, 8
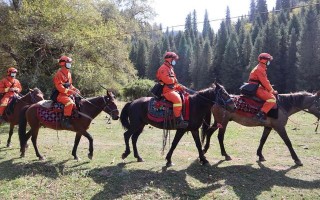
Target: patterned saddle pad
50, 112
160, 110
249, 107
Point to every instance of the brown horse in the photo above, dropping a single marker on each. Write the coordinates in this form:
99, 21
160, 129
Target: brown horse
134, 116
288, 104
33, 96
90, 108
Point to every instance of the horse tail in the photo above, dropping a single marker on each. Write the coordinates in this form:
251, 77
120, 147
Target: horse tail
205, 126
23, 126
125, 115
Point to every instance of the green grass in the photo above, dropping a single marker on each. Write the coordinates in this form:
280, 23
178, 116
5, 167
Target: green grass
108, 177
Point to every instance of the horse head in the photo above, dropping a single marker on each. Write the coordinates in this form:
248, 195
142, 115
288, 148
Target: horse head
110, 106
35, 95
315, 105
223, 98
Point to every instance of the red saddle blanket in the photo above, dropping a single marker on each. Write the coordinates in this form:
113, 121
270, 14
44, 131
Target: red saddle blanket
52, 115
160, 110
249, 107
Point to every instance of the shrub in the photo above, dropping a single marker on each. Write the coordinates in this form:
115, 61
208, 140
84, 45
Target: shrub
138, 88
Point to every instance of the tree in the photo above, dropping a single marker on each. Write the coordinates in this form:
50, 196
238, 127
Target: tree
155, 62
142, 59
262, 10
308, 52
291, 71
231, 66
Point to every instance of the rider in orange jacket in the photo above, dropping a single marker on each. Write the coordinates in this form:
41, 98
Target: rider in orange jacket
166, 76
9, 86
63, 83
265, 91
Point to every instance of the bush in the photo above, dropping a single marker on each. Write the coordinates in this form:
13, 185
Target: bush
138, 88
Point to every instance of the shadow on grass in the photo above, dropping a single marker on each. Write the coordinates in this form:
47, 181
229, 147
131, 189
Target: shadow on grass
246, 181
10, 170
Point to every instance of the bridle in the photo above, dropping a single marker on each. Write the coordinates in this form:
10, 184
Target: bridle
32, 96
219, 98
107, 106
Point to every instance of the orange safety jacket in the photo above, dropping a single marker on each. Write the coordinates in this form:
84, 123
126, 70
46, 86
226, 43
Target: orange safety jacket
259, 75
7, 83
62, 77
166, 75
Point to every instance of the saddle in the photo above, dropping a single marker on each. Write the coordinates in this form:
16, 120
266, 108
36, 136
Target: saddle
161, 110
249, 106
51, 112
10, 108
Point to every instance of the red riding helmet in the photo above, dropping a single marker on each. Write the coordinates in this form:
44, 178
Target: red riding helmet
264, 57
64, 59
11, 70
172, 55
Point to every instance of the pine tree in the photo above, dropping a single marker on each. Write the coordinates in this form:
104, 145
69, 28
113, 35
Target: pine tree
182, 67
308, 51
291, 71
283, 58
231, 67
206, 26
228, 20
262, 10
142, 59
206, 62
252, 13
155, 62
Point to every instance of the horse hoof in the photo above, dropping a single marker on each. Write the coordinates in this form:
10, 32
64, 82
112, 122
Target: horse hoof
9, 145
262, 159
206, 163
228, 158
169, 164
90, 156
140, 160
298, 162
22, 155
124, 155
42, 158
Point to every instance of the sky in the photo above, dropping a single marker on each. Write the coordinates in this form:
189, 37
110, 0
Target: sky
174, 12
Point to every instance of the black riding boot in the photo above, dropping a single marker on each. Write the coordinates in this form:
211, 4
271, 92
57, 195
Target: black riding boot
65, 122
180, 123
261, 116
1, 119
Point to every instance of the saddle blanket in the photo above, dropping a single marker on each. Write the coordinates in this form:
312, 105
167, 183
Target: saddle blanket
248, 107
161, 110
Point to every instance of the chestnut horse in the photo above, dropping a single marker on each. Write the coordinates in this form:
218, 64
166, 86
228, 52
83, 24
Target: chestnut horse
134, 116
33, 96
288, 104
90, 108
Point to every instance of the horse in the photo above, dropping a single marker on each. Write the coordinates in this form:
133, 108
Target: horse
33, 96
89, 109
288, 104
134, 116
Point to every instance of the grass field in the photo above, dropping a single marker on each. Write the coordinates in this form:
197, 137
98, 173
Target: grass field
108, 177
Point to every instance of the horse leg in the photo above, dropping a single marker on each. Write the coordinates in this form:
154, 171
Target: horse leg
75, 146
208, 134
10, 135
265, 134
176, 139
89, 137
283, 134
25, 145
221, 139
127, 136
196, 138
135, 137
34, 136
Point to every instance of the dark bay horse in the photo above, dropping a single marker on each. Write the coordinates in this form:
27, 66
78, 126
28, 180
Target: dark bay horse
288, 104
90, 108
33, 96
134, 117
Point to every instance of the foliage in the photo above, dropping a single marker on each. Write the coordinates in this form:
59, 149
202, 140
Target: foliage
136, 89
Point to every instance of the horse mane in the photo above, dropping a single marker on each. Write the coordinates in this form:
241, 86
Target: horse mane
287, 101
213, 86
